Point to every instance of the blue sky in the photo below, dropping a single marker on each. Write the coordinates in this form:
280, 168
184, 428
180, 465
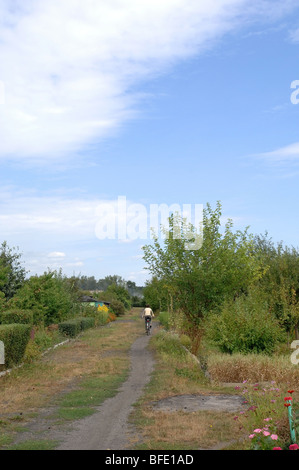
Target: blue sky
180, 102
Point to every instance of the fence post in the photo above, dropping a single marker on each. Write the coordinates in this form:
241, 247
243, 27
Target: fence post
2, 358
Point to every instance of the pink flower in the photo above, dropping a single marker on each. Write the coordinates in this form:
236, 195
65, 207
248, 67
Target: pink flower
251, 436
277, 448
257, 430
294, 447
268, 419
274, 437
266, 433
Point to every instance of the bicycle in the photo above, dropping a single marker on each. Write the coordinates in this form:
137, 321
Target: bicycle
148, 325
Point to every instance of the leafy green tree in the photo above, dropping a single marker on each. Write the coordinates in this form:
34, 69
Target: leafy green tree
12, 273
201, 279
281, 281
51, 298
156, 294
120, 293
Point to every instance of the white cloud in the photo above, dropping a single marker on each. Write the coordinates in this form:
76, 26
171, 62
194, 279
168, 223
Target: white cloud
287, 154
56, 255
70, 66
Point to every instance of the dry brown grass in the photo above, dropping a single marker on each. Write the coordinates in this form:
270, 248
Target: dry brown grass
253, 368
31, 387
197, 430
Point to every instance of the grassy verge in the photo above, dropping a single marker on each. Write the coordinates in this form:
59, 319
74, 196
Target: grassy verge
72, 380
177, 373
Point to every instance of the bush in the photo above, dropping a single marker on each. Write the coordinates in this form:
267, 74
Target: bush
86, 323
74, 326
70, 327
15, 338
117, 307
24, 317
245, 326
164, 319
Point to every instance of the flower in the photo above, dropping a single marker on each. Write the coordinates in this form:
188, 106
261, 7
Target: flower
288, 398
291, 391
294, 447
257, 430
274, 437
287, 404
277, 448
268, 419
251, 436
266, 433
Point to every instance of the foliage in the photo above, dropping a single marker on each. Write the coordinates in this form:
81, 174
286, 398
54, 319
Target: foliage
245, 325
281, 281
12, 273
17, 316
74, 326
199, 280
70, 328
164, 319
50, 297
15, 338
120, 293
155, 294
117, 308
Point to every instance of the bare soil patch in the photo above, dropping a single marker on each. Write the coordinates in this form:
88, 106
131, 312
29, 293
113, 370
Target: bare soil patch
192, 403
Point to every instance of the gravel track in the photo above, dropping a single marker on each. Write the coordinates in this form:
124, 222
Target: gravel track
109, 428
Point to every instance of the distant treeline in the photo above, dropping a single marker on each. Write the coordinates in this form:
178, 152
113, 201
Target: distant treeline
90, 283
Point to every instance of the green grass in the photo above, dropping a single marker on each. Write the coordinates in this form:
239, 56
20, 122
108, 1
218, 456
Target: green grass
91, 394
35, 445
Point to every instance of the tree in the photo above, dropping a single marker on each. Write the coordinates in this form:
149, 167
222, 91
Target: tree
201, 279
51, 297
281, 281
119, 293
12, 273
156, 294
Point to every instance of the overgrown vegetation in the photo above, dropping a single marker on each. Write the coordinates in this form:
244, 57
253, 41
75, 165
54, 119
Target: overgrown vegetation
51, 302
239, 288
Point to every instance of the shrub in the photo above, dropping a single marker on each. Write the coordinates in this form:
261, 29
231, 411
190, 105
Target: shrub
86, 322
17, 316
70, 327
32, 352
164, 319
186, 341
15, 338
111, 317
117, 307
245, 325
74, 326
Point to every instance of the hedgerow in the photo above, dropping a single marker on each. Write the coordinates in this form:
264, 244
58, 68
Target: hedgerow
15, 338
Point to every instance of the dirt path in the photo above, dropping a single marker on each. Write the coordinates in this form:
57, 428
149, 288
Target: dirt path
108, 428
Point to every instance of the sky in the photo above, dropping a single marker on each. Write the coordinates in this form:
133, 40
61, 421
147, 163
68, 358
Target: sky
109, 108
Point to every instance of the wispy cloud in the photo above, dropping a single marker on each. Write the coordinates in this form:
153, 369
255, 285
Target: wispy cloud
69, 68
283, 155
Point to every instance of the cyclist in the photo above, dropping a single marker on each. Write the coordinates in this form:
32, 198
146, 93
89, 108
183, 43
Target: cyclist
148, 313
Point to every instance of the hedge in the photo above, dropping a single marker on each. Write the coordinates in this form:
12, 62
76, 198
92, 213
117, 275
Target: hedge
15, 338
74, 326
24, 317
87, 322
